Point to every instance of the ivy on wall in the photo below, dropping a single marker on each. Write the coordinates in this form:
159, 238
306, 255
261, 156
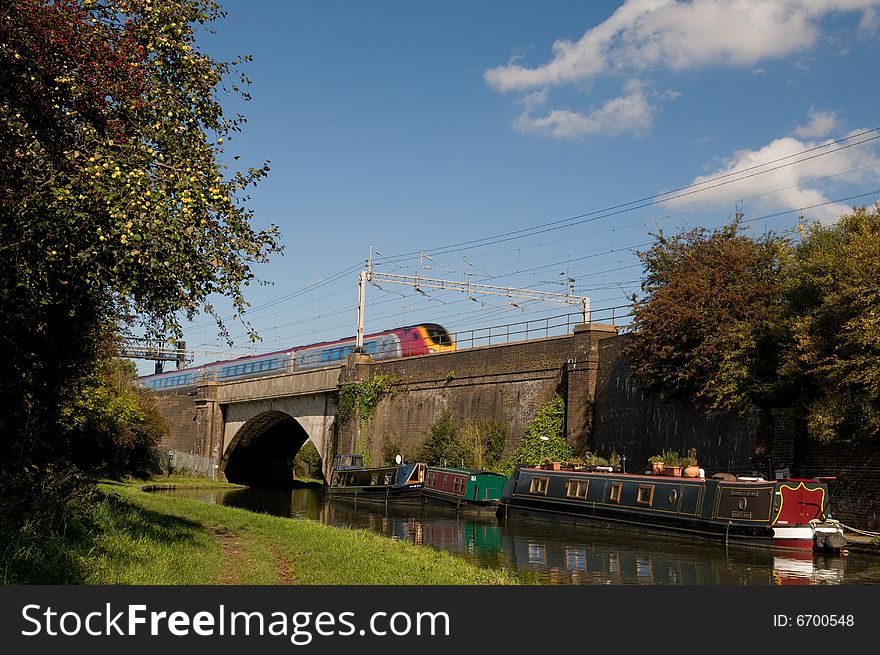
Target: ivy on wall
361, 399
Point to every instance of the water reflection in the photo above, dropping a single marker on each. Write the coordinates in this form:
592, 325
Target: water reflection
550, 553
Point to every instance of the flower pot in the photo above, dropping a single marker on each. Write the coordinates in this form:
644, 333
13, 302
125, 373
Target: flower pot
657, 468
674, 471
691, 472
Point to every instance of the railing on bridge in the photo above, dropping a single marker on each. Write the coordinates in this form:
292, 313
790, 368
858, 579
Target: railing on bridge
553, 326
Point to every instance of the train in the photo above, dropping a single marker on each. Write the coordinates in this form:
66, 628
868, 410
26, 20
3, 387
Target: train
421, 339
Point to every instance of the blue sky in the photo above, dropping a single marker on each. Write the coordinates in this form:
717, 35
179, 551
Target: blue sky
416, 125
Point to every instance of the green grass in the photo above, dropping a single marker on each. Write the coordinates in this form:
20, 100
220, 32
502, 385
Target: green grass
177, 481
236, 546
127, 536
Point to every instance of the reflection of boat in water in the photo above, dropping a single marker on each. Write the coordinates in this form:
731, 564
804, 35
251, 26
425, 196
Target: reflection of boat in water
784, 513
468, 490
421, 527
380, 484
604, 560
806, 568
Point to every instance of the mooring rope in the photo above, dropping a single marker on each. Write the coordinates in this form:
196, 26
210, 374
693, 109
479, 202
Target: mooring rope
864, 532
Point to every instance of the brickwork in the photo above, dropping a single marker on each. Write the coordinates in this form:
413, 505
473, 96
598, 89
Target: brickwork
180, 416
639, 424
631, 420
504, 384
855, 493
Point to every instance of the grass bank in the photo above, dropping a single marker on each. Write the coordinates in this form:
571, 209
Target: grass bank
140, 538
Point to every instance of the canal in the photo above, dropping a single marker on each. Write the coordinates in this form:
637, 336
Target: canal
549, 553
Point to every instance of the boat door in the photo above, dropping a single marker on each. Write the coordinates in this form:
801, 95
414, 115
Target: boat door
799, 504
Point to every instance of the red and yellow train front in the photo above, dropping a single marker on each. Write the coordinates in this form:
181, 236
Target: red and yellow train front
425, 339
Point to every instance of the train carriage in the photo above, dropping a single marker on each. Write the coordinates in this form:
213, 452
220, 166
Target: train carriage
421, 339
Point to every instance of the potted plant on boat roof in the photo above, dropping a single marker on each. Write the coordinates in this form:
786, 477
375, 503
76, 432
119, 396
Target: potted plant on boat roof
671, 463
656, 462
690, 467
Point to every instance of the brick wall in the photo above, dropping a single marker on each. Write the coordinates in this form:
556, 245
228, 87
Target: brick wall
180, 415
505, 384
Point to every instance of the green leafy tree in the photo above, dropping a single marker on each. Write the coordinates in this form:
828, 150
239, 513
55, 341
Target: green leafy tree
118, 200
549, 422
742, 323
118, 423
833, 313
307, 462
442, 446
483, 443
707, 326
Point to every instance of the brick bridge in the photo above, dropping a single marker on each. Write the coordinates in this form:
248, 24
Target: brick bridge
252, 429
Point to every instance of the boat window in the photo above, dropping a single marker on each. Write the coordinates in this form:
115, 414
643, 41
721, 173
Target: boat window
614, 494
577, 488
645, 495
374, 478
673, 496
387, 478
537, 553
539, 486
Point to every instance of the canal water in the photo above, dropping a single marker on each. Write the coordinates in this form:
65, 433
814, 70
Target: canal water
551, 553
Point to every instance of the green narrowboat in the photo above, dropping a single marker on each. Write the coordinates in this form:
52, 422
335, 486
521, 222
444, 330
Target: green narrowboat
463, 489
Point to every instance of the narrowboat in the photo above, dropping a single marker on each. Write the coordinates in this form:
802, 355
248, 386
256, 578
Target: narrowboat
381, 484
787, 513
469, 490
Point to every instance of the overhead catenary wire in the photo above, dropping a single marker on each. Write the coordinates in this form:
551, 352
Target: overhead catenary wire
695, 188
606, 213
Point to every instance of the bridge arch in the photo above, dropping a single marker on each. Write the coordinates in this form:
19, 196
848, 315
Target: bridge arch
261, 438
262, 451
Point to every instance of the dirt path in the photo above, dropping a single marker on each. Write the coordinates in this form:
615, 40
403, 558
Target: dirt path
233, 558
232, 555
285, 569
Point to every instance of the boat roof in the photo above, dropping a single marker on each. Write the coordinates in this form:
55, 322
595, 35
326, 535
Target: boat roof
455, 469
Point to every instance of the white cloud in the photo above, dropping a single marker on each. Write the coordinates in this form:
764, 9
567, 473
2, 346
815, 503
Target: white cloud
629, 113
644, 34
748, 175
822, 123
869, 24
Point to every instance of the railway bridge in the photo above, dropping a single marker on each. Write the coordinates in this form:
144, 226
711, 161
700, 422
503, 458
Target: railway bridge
251, 429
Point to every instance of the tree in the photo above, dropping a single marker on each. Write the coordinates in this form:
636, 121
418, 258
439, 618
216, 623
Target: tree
707, 326
741, 323
112, 426
833, 313
549, 422
118, 206
442, 446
